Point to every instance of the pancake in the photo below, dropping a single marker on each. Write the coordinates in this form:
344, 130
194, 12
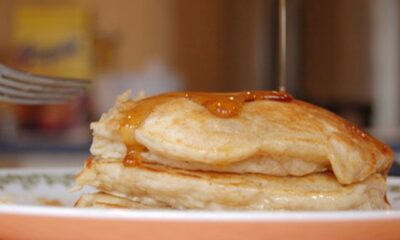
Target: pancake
184, 189
257, 150
275, 138
104, 200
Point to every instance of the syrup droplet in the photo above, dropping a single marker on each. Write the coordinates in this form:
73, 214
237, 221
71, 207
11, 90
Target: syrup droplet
134, 157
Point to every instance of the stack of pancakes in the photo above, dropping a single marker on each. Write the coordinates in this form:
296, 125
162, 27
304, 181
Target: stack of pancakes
251, 150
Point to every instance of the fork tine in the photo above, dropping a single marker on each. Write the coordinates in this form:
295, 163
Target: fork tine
26, 78
32, 100
15, 91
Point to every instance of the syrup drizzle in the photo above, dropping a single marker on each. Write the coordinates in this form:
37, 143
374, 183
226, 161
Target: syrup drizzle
282, 45
222, 105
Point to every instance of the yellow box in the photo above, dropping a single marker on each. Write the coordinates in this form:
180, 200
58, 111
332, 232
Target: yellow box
53, 39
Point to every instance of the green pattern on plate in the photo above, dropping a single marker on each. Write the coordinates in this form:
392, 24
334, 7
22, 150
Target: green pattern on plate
29, 181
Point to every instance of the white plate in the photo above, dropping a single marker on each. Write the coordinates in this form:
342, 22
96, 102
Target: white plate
29, 191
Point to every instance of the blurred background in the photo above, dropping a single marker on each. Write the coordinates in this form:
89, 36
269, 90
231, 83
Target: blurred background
342, 55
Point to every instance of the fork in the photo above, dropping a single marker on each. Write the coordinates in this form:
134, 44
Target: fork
24, 88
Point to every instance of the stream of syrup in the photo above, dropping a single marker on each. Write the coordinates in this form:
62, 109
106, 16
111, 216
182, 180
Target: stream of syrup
222, 105
282, 45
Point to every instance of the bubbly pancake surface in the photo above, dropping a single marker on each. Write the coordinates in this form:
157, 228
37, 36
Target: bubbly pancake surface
274, 137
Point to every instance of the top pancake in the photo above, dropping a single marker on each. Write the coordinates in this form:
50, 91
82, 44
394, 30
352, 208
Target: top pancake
183, 131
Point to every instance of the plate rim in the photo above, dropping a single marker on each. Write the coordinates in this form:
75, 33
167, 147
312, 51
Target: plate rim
179, 215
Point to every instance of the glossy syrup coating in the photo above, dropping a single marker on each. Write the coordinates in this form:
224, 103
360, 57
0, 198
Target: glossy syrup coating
221, 105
